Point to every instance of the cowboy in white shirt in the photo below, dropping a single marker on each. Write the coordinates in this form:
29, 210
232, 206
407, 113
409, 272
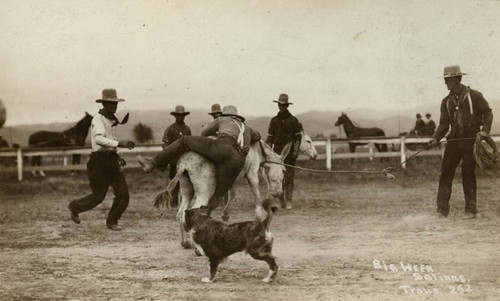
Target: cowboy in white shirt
104, 167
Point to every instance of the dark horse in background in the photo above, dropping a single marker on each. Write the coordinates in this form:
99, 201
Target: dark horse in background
352, 131
74, 136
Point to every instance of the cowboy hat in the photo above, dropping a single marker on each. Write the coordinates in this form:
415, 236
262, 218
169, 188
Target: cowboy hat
109, 95
283, 100
215, 109
231, 111
179, 110
452, 71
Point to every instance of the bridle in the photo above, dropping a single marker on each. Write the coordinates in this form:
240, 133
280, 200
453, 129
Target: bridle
263, 154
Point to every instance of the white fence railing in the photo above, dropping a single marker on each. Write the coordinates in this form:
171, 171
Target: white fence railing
334, 149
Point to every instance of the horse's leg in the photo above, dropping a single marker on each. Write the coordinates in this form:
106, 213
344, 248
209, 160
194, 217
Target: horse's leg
382, 148
352, 148
230, 198
253, 181
75, 161
35, 161
265, 177
187, 192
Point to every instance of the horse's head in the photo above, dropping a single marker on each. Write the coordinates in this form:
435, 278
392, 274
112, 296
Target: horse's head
78, 133
307, 147
275, 170
342, 119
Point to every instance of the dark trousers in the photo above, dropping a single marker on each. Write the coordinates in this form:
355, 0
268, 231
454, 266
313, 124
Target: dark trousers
288, 181
172, 172
223, 151
103, 171
455, 152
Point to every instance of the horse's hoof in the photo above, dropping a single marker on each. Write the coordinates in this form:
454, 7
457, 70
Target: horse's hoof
197, 252
186, 245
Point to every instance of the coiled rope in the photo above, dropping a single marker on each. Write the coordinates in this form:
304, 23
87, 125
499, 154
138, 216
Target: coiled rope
484, 158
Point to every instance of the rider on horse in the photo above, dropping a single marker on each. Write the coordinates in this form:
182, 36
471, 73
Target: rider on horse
228, 151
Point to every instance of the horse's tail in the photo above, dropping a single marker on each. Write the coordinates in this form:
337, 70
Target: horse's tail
269, 208
164, 198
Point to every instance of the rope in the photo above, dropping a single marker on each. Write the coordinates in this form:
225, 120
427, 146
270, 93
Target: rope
385, 172
484, 158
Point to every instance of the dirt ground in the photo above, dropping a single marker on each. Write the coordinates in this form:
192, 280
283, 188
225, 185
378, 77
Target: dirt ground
348, 237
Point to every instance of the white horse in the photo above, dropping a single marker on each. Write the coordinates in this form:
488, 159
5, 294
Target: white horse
196, 178
307, 147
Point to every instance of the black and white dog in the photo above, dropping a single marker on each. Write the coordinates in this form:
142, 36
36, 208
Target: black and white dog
217, 240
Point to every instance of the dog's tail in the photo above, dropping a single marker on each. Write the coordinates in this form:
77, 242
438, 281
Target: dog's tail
269, 208
164, 198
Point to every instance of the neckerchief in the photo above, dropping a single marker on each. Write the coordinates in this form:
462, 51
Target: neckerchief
112, 116
284, 115
458, 114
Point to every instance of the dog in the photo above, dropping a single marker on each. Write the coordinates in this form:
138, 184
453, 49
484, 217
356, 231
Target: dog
217, 241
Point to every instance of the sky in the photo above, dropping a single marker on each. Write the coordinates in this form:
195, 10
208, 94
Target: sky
57, 56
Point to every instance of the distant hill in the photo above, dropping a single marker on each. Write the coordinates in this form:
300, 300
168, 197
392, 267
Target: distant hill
314, 122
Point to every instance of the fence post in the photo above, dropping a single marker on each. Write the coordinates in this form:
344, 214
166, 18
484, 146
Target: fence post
403, 151
328, 153
19, 165
65, 160
371, 152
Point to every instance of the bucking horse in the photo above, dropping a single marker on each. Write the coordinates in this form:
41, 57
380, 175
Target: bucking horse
197, 181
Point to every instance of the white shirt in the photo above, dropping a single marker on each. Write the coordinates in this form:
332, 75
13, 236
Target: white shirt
103, 135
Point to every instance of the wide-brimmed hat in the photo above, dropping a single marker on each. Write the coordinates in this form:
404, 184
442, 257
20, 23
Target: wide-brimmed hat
179, 110
231, 111
452, 71
215, 109
109, 95
283, 100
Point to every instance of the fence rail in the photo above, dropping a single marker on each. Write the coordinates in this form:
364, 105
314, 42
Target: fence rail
331, 152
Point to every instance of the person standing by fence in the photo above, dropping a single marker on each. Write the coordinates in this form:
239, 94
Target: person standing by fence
285, 128
464, 110
174, 132
105, 166
430, 125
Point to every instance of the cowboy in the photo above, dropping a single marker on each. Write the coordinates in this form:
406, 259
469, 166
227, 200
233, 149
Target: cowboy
464, 110
171, 134
215, 111
177, 129
105, 166
228, 151
419, 125
430, 125
285, 128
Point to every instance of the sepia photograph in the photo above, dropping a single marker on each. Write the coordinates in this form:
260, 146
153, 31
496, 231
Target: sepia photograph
249, 150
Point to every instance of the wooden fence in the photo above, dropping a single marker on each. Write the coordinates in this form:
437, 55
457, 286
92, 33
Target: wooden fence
334, 149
